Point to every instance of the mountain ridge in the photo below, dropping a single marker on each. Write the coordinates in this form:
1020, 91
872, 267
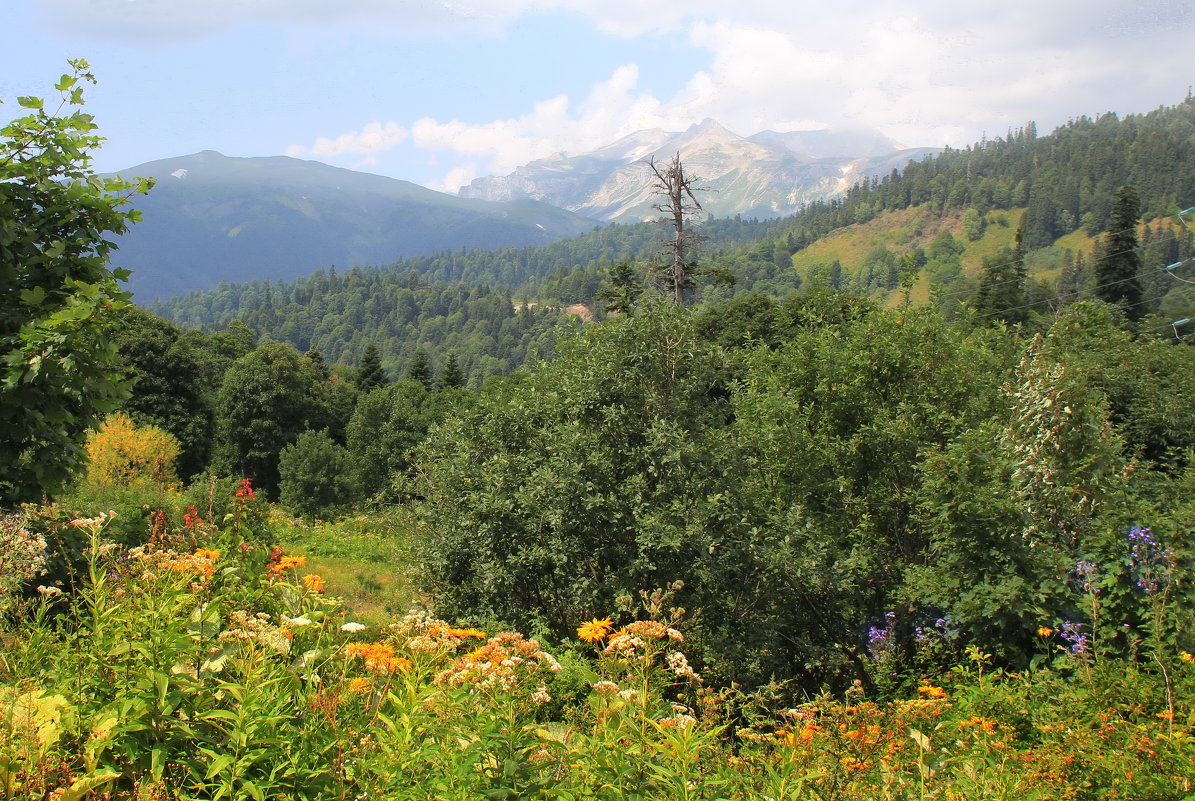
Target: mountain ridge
213, 218
768, 174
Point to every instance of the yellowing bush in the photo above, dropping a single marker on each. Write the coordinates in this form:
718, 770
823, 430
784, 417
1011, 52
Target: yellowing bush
121, 454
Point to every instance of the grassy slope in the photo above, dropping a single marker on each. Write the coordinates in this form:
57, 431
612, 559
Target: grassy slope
908, 229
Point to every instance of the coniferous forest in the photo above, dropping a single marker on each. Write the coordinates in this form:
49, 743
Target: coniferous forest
897, 504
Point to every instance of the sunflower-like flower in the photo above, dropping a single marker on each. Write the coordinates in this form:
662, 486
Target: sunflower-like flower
594, 630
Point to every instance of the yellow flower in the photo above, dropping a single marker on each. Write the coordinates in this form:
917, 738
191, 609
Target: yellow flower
360, 685
1186, 657
1045, 631
594, 630
207, 553
313, 582
931, 692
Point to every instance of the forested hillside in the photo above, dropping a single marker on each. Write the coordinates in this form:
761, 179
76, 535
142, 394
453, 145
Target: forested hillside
938, 226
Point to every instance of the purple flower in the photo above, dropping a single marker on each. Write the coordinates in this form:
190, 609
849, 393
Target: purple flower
1072, 633
1086, 574
1147, 557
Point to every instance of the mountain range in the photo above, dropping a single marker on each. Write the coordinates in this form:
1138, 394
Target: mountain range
769, 174
212, 218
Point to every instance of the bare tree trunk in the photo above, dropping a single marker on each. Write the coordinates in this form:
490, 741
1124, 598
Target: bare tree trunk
678, 204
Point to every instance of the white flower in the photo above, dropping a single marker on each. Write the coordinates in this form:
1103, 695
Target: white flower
352, 627
296, 621
49, 590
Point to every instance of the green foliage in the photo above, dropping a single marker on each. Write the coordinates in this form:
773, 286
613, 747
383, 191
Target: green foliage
545, 502
316, 476
58, 370
170, 388
263, 406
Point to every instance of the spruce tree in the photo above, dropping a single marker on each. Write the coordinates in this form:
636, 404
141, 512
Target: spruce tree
1117, 273
372, 375
420, 369
1001, 294
451, 376
622, 289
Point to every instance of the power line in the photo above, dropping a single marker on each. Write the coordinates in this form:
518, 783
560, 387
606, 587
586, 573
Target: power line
1097, 286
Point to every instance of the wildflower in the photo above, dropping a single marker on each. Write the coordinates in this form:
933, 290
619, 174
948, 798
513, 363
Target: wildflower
540, 696
1086, 573
628, 694
1146, 557
930, 691
463, 633
360, 685
352, 627
1185, 656
1072, 633
245, 490
378, 656
680, 666
605, 687
207, 553
594, 630
647, 628
1045, 631
296, 622
313, 582
49, 591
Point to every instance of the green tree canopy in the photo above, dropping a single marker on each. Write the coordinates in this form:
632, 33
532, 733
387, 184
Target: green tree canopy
263, 406
58, 370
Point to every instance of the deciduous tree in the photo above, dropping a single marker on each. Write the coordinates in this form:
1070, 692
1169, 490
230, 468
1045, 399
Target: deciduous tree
58, 370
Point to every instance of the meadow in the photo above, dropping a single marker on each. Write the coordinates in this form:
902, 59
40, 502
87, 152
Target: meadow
255, 656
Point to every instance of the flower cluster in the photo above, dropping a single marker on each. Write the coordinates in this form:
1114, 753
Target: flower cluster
419, 632
247, 627
503, 663
1073, 634
245, 490
279, 563
378, 656
152, 562
1086, 575
22, 554
881, 641
1147, 557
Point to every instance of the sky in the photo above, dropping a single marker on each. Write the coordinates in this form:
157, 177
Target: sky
441, 91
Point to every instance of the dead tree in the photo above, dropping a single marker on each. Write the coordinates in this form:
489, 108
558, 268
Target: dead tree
678, 205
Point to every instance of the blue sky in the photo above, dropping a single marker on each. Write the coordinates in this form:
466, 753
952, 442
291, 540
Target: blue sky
440, 91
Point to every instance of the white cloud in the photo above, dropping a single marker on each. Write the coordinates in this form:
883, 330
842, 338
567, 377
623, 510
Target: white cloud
374, 137
928, 72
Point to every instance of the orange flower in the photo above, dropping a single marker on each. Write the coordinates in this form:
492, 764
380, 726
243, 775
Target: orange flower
930, 691
1045, 631
378, 656
454, 632
207, 553
313, 582
594, 630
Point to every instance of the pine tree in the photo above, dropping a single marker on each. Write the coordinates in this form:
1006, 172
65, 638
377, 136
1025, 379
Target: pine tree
1001, 294
451, 376
1117, 274
622, 289
420, 369
316, 360
372, 375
